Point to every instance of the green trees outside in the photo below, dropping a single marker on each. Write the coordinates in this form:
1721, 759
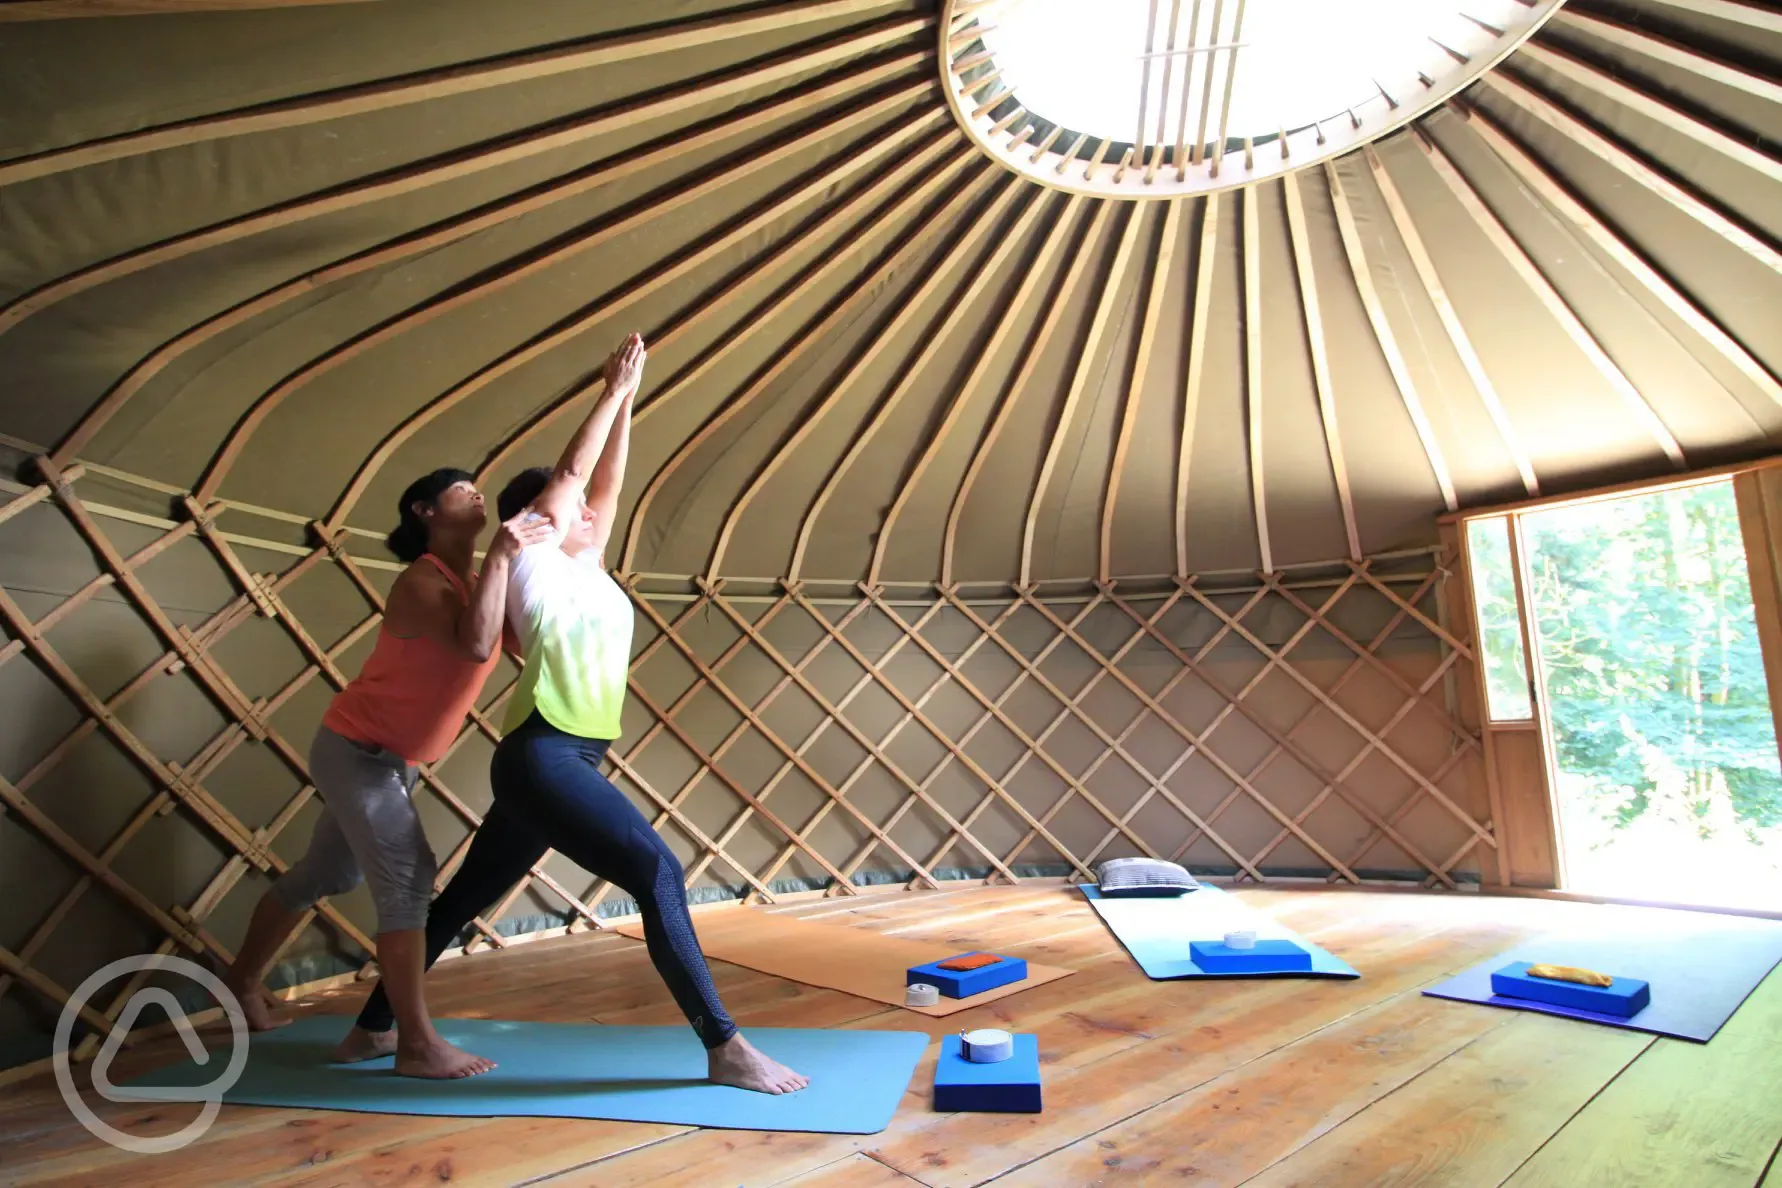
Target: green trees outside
1500, 626
1654, 673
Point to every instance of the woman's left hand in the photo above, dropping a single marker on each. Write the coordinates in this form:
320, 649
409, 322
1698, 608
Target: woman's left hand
624, 367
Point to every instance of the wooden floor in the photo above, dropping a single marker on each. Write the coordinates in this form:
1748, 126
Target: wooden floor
1261, 1083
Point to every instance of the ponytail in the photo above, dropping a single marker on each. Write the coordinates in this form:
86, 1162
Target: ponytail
408, 540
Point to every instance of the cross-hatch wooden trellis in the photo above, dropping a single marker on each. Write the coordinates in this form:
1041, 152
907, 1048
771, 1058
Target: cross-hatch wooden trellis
182, 785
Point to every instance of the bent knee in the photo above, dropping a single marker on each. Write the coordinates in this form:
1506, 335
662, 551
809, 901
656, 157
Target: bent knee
668, 867
403, 909
299, 889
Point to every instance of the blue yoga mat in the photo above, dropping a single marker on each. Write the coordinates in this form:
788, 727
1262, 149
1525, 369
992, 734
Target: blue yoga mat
1701, 968
565, 1070
1157, 932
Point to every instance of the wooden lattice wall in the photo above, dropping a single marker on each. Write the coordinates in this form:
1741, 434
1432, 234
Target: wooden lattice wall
163, 677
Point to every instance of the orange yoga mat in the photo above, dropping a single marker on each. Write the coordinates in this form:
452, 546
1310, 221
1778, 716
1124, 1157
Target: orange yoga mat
853, 960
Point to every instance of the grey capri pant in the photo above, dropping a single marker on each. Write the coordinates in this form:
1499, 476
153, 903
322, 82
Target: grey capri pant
369, 830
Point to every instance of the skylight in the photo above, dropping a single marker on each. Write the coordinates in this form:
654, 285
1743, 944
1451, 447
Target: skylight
1176, 81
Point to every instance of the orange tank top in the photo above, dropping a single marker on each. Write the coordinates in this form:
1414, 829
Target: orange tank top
413, 694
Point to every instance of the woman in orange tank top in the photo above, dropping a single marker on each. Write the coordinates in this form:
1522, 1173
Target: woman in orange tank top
439, 641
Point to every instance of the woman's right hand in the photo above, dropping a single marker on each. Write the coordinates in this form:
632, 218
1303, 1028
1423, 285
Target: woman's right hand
624, 367
527, 528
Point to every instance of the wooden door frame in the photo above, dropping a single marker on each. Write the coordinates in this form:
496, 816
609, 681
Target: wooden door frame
1534, 829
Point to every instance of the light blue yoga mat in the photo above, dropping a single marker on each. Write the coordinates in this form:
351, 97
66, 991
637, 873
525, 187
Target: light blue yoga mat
570, 1070
1157, 932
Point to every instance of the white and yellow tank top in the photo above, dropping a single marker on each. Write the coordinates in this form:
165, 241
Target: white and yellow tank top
574, 625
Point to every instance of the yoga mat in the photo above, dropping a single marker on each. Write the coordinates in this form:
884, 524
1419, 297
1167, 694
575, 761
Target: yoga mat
575, 1070
1701, 968
853, 960
1157, 932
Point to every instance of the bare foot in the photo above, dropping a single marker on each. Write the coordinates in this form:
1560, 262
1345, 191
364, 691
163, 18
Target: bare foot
361, 1044
738, 1062
256, 1007
439, 1061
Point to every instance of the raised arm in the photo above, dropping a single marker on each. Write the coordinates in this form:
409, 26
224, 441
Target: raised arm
591, 453
609, 474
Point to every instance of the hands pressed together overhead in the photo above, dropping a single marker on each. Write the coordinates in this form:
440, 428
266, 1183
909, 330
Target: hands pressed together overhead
624, 367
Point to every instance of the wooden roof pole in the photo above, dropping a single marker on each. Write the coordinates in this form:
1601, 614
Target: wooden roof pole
1387, 340
606, 230
1147, 344
907, 308
1614, 245
1457, 336
423, 86
1011, 395
1709, 214
1250, 260
611, 304
1555, 304
1004, 326
450, 230
988, 271
1670, 53
1734, 11
1086, 368
1305, 276
1200, 307
884, 184
394, 183
859, 292
1666, 115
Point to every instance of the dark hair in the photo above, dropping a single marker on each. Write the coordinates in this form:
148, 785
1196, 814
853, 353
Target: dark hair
521, 490
409, 538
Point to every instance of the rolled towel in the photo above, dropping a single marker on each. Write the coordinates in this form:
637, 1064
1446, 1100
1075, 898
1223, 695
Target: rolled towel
986, 1045
921, 994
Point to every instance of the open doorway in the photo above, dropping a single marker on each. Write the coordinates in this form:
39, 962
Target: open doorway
1647, 656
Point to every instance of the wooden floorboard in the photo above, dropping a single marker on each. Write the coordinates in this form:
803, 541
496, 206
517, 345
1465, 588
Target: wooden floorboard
1705, 1115
1233, 1126
1471, 1119
1268, 1084
856, 1171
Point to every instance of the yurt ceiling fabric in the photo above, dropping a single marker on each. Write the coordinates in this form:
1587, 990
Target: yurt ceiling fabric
295, 255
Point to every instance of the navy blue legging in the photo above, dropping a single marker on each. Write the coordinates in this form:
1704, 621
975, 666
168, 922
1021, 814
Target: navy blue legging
549, 794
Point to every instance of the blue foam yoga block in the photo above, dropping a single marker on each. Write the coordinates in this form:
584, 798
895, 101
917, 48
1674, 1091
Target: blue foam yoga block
956, 983
1009, 1086
1267, 956
1623, 998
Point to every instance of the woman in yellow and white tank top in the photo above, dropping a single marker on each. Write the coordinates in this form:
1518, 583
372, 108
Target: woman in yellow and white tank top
572, 624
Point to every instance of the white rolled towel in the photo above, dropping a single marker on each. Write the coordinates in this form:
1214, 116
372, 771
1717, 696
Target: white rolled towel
920, 994
986, 1045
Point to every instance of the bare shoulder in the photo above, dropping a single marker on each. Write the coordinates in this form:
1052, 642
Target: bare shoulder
421, 577
418, 590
